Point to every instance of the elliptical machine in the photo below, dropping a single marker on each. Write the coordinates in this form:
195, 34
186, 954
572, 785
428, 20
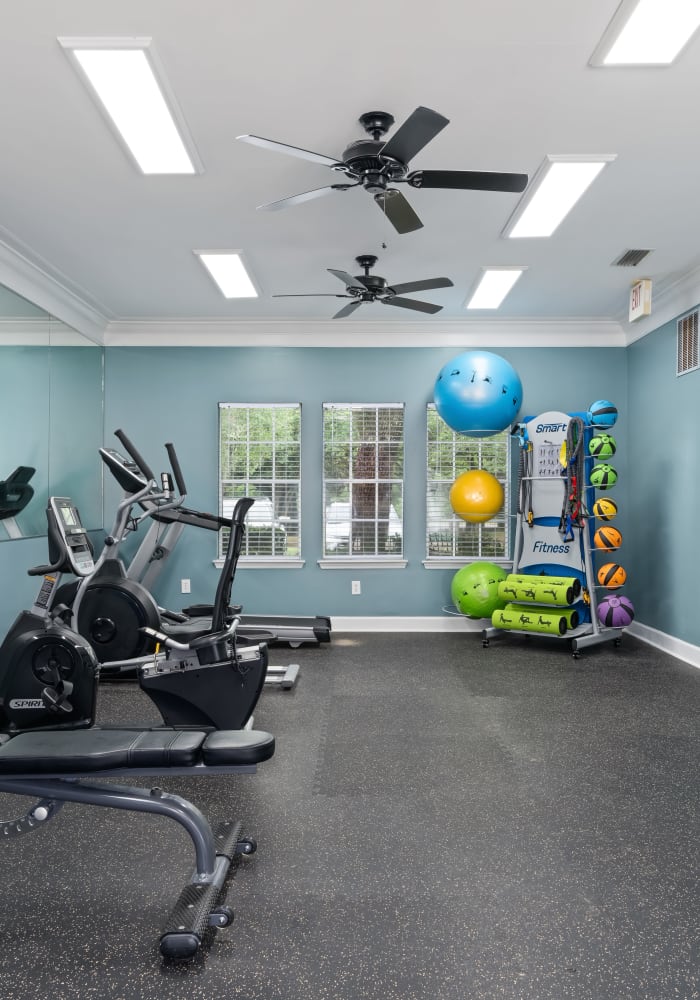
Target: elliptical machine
118, 614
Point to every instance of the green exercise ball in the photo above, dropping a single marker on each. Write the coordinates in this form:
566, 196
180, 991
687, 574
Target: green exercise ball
475, 589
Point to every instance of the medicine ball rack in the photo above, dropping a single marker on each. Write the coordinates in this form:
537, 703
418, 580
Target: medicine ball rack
551, 541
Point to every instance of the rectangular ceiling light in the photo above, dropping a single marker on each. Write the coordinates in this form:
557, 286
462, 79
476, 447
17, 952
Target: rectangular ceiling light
122, 75
229, 272
555, 189
493, 287
647, 33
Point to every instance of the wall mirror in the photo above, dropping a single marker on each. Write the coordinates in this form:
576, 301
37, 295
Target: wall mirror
51, 404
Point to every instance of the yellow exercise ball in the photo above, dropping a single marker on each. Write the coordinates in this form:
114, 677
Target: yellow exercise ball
476, 496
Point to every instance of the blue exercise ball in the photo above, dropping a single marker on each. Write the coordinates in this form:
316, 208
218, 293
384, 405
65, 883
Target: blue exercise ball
478, 393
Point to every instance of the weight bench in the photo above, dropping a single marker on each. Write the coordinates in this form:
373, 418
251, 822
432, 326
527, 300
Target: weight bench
58, 766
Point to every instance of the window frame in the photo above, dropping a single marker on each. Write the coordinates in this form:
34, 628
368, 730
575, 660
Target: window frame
376, 559
461, 461
272, 483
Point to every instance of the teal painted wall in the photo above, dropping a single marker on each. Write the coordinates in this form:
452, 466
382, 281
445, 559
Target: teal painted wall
24, 418
17, 590
172, 394
76, 429
158, 395
51, 401
664, 412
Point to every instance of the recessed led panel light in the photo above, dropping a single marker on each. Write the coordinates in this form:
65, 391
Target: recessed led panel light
555, 189
647, 33
229, 272
123, 78
493, 287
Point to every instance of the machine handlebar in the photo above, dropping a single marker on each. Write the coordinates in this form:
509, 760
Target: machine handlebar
141, 462
177, 471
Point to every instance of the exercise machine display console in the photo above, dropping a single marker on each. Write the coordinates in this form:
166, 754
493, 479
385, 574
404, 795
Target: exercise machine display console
74, 541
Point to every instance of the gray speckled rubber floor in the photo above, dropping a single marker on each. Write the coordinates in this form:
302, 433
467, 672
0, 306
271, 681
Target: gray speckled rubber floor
440, 822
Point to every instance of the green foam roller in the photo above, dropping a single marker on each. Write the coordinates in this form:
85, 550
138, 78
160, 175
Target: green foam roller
554, 593
559, 581
570, 614
536, 590
531, 620
572, 617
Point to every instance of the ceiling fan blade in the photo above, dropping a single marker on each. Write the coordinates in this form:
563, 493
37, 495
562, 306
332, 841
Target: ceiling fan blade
347, 310
398, 211
297, 199
281, 147
416, 132
424, 307
348, 280
312, 295
422, 286
468, 180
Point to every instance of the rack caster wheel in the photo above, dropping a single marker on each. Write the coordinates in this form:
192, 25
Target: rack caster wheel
484, 643
247, 845
617, 642
221, 916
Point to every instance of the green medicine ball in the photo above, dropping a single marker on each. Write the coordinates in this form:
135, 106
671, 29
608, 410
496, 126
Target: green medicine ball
602, 446
603, 476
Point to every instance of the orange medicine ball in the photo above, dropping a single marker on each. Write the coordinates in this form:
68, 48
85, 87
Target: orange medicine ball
608, 538
612, 576
476, 496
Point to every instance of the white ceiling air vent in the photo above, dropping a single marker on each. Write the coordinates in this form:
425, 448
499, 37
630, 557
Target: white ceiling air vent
687, 355
630, 258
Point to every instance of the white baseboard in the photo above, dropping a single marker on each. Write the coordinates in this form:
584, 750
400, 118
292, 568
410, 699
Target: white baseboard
440, 623
685, 651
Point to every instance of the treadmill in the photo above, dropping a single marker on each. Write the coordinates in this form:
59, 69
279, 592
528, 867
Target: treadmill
169, 519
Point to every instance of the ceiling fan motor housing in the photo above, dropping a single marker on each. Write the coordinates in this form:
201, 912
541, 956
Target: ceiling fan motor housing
361, 160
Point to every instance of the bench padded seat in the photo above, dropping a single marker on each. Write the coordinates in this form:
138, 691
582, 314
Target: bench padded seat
94, 750
237, 746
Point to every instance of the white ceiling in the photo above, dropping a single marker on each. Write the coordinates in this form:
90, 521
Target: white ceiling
513, 78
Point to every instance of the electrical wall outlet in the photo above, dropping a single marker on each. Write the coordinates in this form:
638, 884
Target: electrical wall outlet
356, 587
185, 586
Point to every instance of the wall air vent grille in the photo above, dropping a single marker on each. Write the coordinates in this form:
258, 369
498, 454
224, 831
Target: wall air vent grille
630, 258
687, 354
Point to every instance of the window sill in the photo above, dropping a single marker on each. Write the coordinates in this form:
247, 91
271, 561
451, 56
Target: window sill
454, 562
264, 562
363, 562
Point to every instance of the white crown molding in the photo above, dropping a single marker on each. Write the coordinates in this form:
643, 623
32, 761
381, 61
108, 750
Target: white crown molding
24, 332
463, 333
36, 332
35, 284
672, 300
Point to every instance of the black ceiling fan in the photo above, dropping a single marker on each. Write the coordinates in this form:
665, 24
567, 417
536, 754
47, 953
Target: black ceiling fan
376, 165
372, 288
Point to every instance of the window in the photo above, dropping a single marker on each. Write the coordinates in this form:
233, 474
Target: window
260, 457
450, 454
363, 479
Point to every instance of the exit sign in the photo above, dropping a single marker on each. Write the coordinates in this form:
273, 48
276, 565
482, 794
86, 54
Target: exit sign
640, 299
